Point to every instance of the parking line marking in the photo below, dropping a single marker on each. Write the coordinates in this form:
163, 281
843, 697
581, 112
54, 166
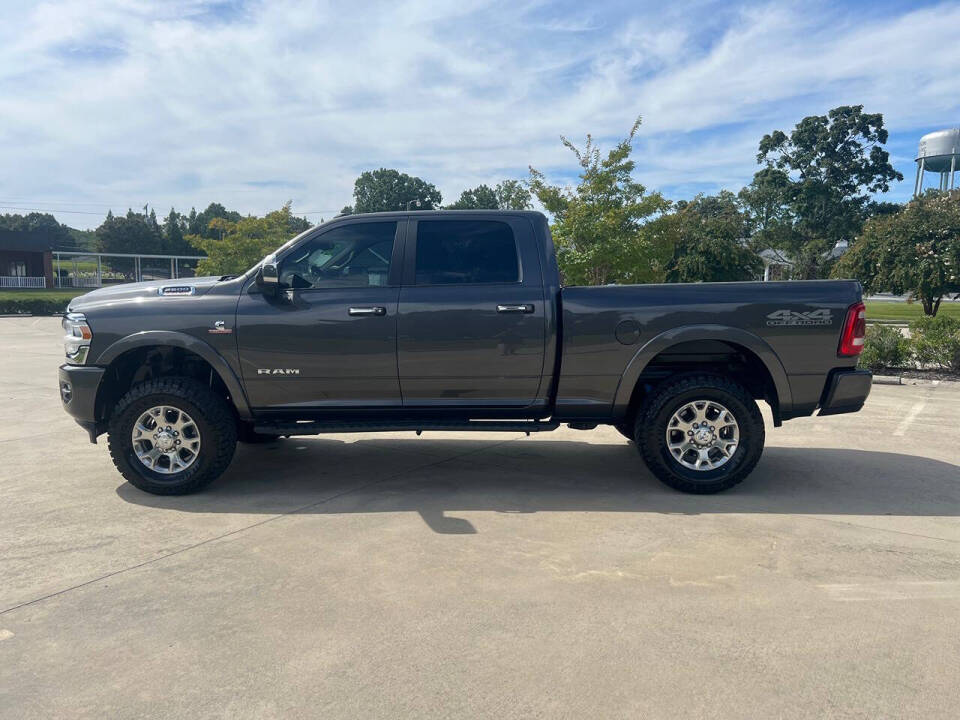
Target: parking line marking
908, 420
902, 590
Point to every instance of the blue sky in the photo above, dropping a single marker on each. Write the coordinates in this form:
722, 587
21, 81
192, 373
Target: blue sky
117, 103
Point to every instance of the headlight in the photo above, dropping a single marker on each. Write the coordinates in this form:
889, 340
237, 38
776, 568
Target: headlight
76, 339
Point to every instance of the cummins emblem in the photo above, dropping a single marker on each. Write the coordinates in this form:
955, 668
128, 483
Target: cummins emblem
793, 317
220, 328
278, 371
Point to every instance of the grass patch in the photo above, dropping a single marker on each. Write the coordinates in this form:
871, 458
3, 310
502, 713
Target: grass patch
905, 312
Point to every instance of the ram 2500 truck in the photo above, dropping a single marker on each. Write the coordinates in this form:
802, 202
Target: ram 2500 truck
451, 321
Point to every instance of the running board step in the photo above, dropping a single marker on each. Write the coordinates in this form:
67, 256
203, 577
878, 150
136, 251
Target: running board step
318, 428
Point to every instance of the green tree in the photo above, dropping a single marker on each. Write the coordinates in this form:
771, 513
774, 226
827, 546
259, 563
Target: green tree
915, 251
512, 195
708, 236
60, 236
599, 225
299, 224
507, 195
199, 223
236, 246
815, 189
130, 233
383, 190
173, 242
482, 197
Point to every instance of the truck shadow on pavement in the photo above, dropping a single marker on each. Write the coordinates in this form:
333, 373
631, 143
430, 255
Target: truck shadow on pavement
434, 477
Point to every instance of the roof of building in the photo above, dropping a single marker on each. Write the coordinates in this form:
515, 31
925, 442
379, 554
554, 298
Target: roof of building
25, 240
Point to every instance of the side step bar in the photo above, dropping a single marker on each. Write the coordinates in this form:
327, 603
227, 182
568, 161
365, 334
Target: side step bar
319, 428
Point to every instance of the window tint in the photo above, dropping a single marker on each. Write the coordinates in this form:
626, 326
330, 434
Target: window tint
356, 255
465, 251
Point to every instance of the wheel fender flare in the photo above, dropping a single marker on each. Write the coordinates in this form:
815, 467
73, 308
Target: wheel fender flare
687, 333
170, 338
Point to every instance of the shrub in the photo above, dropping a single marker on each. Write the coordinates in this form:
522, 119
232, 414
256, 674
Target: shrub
936, 341
885, 346
32, 305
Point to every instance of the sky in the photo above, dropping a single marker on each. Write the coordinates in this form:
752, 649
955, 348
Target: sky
110, 104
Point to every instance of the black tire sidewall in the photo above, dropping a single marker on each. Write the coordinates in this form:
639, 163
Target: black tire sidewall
652, 427
199, 473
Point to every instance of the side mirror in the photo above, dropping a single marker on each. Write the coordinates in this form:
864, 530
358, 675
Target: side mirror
268, 277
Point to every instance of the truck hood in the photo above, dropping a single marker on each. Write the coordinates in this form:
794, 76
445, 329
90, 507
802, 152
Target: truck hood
151, 289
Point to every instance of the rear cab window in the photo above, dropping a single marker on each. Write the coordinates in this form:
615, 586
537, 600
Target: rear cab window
466, 252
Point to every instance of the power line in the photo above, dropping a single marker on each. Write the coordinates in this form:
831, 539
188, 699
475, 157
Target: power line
49, 211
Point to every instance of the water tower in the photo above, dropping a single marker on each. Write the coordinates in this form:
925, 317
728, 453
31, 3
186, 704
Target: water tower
939, 153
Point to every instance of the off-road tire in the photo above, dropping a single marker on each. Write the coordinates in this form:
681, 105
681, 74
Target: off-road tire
651, 426
215, 421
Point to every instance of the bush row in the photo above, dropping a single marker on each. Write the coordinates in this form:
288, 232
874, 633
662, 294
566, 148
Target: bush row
934, 343
32, 306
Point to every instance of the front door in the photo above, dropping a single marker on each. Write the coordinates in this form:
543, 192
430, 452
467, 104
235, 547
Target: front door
330, 339
471, 326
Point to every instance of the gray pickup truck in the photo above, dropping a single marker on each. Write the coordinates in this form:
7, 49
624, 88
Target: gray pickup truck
451, 321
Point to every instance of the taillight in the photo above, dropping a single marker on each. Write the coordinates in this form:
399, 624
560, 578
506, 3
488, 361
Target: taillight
854, 330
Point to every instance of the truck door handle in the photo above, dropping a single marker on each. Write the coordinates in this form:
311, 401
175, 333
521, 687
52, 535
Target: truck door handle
368, 311
515, 309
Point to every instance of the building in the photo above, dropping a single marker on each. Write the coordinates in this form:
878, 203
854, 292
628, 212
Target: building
26, 259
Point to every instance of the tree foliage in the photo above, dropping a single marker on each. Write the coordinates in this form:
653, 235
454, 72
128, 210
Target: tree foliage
814, 190
599, 224
507, 195
239, 245
513, 195
916, 251
60, 236
708, 240
130, 233
482, 197
199, 223
384, 190
174, 226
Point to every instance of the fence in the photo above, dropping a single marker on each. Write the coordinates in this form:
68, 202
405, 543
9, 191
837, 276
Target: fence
19, 281
89, 270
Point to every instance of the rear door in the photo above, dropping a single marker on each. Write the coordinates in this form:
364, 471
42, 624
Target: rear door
331, 339
471, 321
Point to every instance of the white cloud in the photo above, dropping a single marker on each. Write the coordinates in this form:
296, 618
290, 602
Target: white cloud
185, 102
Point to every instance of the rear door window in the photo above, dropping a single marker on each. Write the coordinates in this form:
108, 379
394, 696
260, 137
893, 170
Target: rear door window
455, 252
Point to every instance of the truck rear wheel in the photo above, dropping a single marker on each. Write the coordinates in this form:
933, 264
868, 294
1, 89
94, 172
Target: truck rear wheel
700, 433
172, 436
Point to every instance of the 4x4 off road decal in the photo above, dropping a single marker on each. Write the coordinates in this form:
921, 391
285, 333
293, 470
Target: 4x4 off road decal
793, 317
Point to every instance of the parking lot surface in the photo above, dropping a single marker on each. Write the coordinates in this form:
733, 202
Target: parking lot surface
473, 575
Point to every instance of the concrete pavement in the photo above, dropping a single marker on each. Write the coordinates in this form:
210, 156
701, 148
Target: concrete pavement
467, 575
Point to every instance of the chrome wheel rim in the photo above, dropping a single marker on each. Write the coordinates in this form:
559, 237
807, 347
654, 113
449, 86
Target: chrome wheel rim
166, 440
702, 435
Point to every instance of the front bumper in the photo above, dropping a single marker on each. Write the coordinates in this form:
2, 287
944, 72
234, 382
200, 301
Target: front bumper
78, 393
845, 391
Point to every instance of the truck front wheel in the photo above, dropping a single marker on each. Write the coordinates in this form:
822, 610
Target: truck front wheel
172, 436
700, 433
